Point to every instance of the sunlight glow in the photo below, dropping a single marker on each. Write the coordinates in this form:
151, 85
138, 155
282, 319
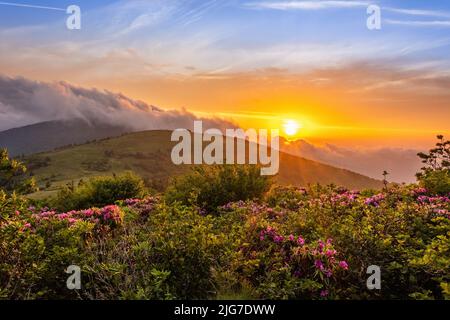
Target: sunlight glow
291, 127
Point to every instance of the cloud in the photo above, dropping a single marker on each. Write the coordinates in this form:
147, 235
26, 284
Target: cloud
413, 23
418, 12
307, 5
402, 164
323, 5
24, 102
13, 4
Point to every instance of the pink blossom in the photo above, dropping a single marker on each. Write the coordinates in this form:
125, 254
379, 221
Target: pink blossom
278, 239
343, 265
319, 265
330, 253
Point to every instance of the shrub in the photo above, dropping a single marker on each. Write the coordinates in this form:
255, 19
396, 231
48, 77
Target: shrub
168, 255
437, 182
99, 192
143, 250
34, 257
210, 187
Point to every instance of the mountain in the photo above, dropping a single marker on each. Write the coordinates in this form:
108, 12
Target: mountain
148, 154
46, 136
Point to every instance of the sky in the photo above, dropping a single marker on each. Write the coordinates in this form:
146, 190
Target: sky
256, 63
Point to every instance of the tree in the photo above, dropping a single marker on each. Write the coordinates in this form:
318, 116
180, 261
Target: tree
438, 158
435, 175
13, 176
385, 181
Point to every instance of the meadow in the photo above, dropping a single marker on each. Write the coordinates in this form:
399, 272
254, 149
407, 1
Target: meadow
226, 232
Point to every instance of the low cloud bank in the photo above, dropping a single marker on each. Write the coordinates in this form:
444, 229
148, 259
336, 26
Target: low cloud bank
402, 164
24, 102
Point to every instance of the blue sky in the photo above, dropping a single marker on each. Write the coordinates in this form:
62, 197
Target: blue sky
413, 29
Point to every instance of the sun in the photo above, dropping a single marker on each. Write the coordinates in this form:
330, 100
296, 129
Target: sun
291, 127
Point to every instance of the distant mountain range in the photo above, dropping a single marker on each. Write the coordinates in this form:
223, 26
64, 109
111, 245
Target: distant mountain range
46, 136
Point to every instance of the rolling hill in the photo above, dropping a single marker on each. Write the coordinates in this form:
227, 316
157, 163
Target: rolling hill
148, 154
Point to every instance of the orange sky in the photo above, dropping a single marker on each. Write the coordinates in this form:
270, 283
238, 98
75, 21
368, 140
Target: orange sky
360, 104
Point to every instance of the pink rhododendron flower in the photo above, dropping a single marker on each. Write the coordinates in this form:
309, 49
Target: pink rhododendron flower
343, 265
319, 265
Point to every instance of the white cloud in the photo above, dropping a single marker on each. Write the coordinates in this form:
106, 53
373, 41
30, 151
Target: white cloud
307, 5
410, 23
418, 12
24, 102
402, 164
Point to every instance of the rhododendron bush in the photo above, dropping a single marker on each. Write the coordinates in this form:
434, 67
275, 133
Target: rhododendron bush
313, 243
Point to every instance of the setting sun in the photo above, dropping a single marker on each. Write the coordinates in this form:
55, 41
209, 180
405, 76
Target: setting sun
291, 127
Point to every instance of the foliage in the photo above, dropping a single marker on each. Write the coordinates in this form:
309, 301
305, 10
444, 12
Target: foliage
13, 176
156, 252
435, 175
210, 187
99, 191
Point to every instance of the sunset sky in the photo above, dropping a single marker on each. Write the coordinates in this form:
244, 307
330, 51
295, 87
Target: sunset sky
258, 63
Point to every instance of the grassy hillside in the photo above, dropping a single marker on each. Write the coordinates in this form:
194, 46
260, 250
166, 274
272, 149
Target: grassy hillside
148, 154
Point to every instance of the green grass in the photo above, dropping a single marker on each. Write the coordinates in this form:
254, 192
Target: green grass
148, 155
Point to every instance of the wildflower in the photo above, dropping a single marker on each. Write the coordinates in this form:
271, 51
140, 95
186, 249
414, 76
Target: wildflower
278, 239
62, 216
131, 202
88, 213
330, 253
375, 200
343, 265
72, 220
321, 246
319, 265
291, 237
300, 241
324, 293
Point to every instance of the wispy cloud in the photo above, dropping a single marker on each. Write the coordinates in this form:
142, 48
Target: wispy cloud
23, 5
415, 23
320, 5
307, 5
419, 12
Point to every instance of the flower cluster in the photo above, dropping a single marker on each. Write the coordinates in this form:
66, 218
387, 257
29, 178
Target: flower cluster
144, 206
419, 191
345, 198
305, 260
437, 205
375, 200
110, 215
